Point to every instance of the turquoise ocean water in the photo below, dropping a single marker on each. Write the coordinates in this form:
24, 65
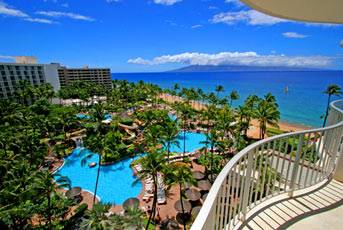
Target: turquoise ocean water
304, 102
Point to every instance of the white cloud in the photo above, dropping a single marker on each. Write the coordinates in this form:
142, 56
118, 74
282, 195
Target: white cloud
56, 14
196, 26
294, 35
7, 11
109, 1
250, 17
236, 3
41, 20
66, 5
6, 57
212, 8
273, 52
236, 58
167, 2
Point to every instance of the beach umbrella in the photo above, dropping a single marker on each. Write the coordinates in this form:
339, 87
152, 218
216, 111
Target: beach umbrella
74, 191
204, 185
193, 194
131, 202
204, 196
195, 210
186, 206
198, 175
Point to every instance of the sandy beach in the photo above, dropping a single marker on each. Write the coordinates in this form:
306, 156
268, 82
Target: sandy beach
254, 129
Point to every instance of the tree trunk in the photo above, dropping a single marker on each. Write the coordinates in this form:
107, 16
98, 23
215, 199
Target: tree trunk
153, 203
211, 163
183, 210
97, 179
327, 111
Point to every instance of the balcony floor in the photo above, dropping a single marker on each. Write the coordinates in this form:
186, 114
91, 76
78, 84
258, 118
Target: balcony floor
321, 208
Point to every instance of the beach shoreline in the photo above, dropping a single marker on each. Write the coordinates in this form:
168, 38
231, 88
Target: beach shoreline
283, 125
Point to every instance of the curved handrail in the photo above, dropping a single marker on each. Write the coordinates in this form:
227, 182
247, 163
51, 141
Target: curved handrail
228, 187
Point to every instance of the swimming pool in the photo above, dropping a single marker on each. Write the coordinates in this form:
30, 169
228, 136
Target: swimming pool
192, 142
107, 116
115, 181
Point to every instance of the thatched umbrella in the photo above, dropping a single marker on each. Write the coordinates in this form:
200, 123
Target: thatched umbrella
212, 177
198, 175
204, 185
131, 202
75, 191
186, 206
193, 194
195, 210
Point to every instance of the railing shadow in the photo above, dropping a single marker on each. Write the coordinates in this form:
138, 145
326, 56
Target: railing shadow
286, 212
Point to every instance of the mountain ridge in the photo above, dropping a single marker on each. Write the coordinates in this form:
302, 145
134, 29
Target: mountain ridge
237, 68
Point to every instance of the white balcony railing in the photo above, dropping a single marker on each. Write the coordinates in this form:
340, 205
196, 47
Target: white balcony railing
271, 167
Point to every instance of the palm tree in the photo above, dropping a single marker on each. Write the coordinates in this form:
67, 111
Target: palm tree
233, 96
170, 134
219, 89
214, 141
46, 186
153, 163
180, 174
96, 218
186, 114
266, 113
331, 90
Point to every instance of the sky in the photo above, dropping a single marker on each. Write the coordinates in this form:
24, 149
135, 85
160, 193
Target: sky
161, 35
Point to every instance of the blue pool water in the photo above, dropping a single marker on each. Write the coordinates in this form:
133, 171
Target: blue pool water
192, 142
107, 116
115, 181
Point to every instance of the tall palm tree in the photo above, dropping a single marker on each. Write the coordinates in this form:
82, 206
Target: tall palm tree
331, 90
152, 163
233, 96
170, 134
46, 185
179, 173
213, 140
266, 113
219, 89
186, 114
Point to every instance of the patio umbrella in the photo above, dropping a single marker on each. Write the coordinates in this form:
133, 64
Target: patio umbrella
186, 206
198, 175
204, 185
131, 202
193, 194
74, 191
195, 210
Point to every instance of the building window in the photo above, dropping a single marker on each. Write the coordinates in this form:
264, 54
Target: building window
11, 72
6, 83
4, 78
12, 78
39, 67
20, 78
18, 72
2, 67
10, 67
17, 68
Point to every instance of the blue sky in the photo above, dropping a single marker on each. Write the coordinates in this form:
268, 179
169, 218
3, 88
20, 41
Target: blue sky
160, 35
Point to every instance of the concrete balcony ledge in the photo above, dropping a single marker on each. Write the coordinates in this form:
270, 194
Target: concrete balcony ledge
317, 207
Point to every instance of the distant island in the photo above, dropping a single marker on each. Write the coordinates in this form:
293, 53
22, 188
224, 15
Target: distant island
229, 68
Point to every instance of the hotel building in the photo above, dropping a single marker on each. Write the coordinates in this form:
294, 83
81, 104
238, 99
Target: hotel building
97, 75
26, 68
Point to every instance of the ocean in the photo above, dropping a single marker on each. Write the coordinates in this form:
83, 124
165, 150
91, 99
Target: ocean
303, 104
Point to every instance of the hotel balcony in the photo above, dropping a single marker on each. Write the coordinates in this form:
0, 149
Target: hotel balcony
289, 181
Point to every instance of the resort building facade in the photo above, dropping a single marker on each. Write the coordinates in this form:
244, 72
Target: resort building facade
97, 75
26, 69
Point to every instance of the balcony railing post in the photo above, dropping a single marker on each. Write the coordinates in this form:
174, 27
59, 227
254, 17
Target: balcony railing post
247, 185
296, 164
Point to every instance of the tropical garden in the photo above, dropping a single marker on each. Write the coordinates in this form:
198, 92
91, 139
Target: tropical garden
33, 130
